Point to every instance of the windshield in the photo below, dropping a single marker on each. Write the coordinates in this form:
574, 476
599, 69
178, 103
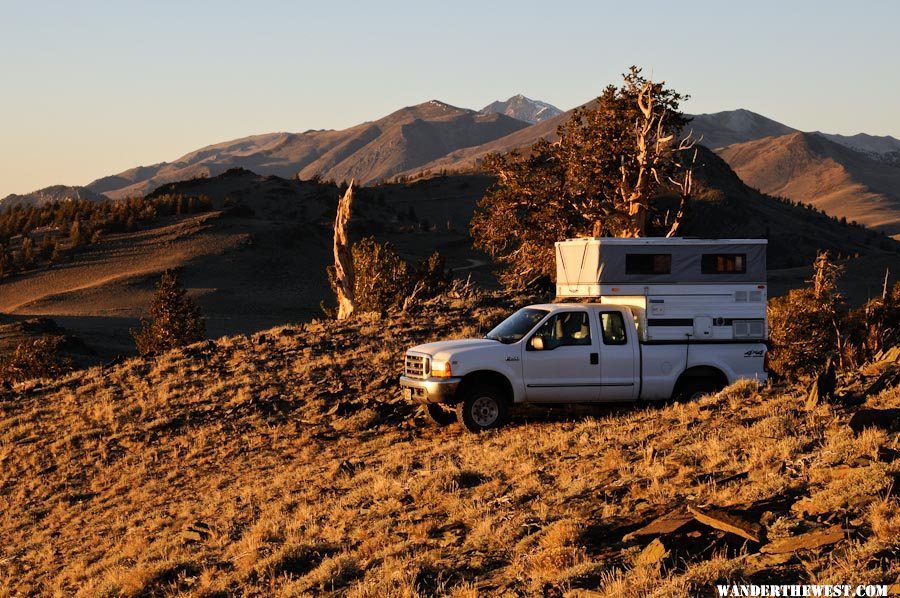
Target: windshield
517, 325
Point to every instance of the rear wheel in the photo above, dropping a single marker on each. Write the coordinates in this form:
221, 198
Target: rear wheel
692, 389
439, 414
483, 408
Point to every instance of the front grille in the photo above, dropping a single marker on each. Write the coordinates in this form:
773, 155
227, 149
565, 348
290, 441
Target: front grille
416, 366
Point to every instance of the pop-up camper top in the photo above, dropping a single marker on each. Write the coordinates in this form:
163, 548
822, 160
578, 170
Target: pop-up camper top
680, 290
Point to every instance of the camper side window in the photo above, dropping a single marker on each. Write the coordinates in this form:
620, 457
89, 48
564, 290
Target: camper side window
723, 263
613, 327
648, 263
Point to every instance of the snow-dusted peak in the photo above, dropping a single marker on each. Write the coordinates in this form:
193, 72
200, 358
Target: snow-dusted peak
523, 108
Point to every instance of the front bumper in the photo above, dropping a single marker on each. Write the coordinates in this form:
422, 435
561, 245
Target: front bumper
429, 390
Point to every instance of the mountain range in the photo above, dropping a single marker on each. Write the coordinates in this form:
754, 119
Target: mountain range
402, 140
855, 177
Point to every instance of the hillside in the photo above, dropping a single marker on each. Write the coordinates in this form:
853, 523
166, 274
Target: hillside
809, 168
286, 464
725, 207
259, 258
51, 194
403, 140
720, 129
522, 108
256, 260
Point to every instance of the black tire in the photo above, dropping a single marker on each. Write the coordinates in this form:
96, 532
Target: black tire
692, 389
439, 414
483, 408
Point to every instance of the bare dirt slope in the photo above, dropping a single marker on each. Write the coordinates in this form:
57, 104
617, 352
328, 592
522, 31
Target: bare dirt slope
403, 140
286, 464
809, 168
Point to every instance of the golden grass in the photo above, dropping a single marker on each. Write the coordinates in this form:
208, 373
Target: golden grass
309, 475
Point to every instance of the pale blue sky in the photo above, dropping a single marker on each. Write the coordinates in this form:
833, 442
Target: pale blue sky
92, 88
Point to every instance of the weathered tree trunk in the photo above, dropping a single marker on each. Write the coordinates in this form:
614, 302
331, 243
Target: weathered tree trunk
653, 148
343, 258
685, 187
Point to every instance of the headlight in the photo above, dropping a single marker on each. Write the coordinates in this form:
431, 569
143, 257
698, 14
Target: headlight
441, 369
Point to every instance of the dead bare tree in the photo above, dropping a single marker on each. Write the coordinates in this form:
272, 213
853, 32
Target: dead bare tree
654, 146
343, 280
684, 186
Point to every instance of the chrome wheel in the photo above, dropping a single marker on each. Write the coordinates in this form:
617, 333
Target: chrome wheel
485, 411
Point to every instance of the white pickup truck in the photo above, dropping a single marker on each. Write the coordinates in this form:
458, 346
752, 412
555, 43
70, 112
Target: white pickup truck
565, 353
668, 318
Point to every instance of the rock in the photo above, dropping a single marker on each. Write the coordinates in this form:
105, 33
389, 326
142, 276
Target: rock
885, 380
652, 554
660, 526
807, 541
807, 506
727, 522
886, 419
892, 354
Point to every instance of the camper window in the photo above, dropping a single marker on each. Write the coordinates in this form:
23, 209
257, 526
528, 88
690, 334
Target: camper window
648, 263
723, 263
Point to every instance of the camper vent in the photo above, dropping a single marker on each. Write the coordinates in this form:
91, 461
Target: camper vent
740, 296
756, 296
749, 329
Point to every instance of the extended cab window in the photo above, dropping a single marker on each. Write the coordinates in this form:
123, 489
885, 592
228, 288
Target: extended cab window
723, 263
648, 263
612, 325
565, 329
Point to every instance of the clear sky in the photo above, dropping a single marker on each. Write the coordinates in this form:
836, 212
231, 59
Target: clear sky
92, 88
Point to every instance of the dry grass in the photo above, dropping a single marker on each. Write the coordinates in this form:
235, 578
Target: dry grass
306, 474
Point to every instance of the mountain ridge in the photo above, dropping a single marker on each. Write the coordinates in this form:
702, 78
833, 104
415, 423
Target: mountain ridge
370, 151
51, 194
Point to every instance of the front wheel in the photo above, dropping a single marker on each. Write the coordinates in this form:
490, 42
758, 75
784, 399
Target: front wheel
483, 408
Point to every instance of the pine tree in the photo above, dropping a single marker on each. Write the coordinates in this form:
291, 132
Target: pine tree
56, 254
77, 234
175, 319
612, 160
27, 252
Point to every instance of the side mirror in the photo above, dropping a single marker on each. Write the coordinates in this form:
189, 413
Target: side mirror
537, 342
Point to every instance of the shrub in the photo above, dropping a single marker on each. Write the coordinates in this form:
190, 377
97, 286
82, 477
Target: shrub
878, 322
175, 319
383, 280
35, 358
808, 324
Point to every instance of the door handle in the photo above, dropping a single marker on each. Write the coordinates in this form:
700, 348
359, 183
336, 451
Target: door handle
595, 358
